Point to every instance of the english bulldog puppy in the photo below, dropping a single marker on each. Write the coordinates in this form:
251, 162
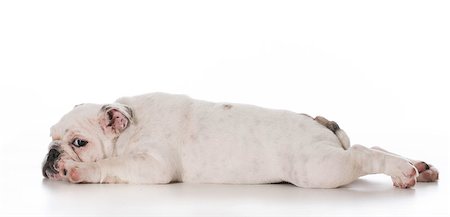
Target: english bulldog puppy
161, 138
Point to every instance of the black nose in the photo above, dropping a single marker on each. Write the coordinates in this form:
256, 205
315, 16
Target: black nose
52, 156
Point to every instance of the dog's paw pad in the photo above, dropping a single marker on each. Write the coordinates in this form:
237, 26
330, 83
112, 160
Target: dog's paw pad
427, 172
403, 182
421, 166
403, 173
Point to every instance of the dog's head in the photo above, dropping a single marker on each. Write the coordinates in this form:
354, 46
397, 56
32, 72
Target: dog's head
87, 133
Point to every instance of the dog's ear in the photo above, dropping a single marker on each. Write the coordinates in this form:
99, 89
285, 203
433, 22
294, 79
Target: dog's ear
115, 118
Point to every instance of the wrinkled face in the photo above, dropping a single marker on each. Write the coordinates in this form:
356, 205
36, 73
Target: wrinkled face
86, 134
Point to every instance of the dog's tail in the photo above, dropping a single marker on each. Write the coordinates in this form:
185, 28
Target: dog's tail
334, 127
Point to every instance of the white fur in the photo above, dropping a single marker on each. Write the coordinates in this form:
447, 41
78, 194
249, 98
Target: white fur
176, 138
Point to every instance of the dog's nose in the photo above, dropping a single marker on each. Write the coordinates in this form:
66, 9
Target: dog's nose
52, 156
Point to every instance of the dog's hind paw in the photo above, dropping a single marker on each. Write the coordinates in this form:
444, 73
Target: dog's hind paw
427, 172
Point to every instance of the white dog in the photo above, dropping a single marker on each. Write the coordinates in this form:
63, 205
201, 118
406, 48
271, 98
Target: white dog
162, 138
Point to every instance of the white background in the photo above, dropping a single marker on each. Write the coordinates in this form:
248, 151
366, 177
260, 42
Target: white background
379, 68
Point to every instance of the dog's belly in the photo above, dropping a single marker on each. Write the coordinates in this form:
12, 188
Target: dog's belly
233, 143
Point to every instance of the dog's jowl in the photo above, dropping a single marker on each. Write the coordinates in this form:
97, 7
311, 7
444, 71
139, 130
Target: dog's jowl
163, 138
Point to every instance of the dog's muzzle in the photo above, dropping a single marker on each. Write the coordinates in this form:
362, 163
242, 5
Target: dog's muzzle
49, 162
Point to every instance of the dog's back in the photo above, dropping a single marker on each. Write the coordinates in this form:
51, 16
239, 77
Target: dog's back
227, 143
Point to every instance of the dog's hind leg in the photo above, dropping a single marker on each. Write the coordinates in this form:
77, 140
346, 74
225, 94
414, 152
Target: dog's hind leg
333, 167
427, 172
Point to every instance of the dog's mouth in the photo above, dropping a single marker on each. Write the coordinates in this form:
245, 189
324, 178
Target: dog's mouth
48, 168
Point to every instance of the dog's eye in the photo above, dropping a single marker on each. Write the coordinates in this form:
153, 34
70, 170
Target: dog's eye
79, 142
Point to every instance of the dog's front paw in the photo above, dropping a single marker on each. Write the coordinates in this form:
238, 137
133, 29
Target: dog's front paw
75, 172
402, 172
79, 172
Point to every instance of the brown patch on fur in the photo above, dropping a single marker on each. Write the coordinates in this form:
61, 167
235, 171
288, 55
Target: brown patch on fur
331, 125
227, 106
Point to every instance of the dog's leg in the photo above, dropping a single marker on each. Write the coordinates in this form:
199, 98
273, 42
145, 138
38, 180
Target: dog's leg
127, 169
332, 167
427, 172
